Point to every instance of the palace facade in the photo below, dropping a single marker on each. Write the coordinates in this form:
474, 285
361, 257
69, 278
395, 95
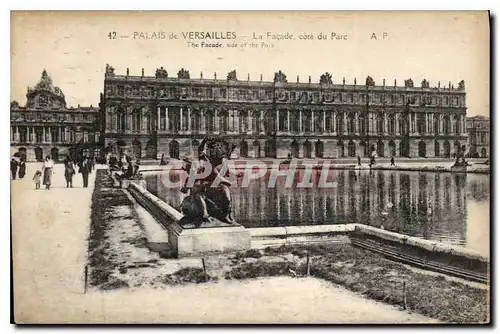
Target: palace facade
45, 126
478, 129
160, 115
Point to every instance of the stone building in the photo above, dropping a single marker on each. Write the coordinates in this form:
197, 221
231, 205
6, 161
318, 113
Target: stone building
478, 129
163, 115
46, 126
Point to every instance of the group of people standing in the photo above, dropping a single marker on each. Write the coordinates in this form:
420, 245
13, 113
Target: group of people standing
18, 167
44, 175
85, 167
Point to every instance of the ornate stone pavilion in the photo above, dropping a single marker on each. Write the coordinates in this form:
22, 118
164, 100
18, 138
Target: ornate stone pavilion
478, 129
45, 126
164, 115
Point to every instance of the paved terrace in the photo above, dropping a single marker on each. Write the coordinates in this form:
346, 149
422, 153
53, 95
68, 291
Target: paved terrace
50, 228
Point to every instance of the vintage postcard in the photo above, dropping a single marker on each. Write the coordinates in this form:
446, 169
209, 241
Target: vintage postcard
250, 167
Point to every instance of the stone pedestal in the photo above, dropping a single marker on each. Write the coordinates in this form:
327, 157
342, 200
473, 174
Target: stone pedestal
210, 238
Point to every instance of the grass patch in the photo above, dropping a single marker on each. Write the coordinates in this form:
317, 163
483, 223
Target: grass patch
377, 278
188, 275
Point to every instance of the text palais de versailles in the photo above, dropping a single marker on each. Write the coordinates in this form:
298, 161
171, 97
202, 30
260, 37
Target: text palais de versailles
170, 115
211, 35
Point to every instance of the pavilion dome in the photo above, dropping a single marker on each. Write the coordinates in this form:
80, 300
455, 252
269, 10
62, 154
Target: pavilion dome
45, 95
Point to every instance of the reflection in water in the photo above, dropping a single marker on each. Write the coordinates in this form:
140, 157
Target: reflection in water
428, 205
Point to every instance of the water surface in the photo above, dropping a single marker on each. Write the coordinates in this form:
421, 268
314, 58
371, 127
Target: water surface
447, 207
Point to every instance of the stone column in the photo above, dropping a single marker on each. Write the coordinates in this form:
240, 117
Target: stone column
278, 120
217, 120
261, 126
167, 126
203, 125
386, 124
11, 134
16, 135
43, 134
356, 124
189, 119
180, 117
313, 123
370, 123
334, 124
324, 121
236, 121
345, 123
158, 118
300, 120
249, 121
288, 120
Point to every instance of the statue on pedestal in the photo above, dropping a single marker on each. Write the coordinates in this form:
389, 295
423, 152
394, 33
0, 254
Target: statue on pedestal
209, 196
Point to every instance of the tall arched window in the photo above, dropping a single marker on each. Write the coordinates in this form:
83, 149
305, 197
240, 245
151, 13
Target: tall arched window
120, 120
363, 124
329, 121
136, 120
446, 124
350, 123
318, 121
380, 124
243, 118
436, 124
421, 123
457, 125
392, 124
294, 122
256, 126
185, 119
339, 120
223, 121
209, 120
195, 120
306, 121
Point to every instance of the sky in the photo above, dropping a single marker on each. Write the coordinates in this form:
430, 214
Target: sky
74, 48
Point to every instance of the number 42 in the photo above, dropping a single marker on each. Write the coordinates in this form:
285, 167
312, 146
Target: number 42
112, 35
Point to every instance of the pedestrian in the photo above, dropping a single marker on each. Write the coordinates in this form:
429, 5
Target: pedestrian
392, 161
37, 178
48, 171
22, 168
359, 160
85, 170
13, 168
137, 166
69, 171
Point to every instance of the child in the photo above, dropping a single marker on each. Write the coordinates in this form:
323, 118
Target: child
37, 178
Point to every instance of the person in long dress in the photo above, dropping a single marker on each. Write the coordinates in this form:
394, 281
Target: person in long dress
69, 171
22, 168
13, 168
48, 171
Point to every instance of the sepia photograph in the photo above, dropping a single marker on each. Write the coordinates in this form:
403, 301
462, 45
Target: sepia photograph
250, 167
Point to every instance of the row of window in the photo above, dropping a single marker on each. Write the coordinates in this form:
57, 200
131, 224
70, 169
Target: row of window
56, 117
51, 134
283, 124
294, 96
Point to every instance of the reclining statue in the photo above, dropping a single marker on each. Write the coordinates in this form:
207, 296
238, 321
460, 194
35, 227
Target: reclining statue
209, 196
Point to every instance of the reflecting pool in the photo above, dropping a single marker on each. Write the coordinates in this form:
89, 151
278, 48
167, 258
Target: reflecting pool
447, 207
